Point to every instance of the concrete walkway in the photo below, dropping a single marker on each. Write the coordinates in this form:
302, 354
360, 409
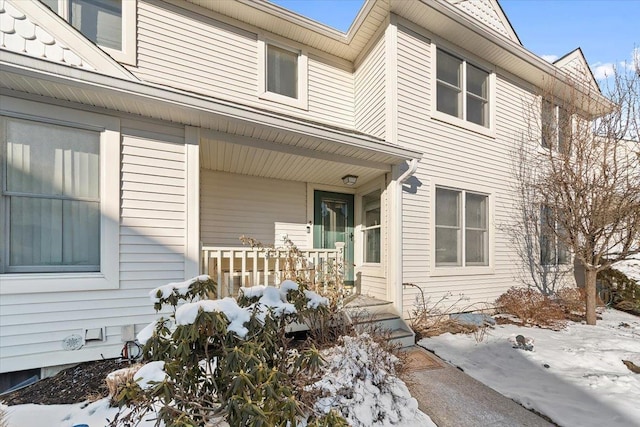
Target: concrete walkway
453, 399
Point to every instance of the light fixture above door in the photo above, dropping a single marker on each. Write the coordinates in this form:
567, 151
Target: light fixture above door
349, 179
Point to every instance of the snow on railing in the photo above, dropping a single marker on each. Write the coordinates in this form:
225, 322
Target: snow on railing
233, 267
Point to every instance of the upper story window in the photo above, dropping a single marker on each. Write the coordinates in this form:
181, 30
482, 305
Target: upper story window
462, 89
462, 228
50, 198
556, 127
108, 23
283, 74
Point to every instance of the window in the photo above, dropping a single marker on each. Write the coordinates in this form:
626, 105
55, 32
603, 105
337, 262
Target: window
552, 251
282, 71
462, 89
51, 198
462, 232
371, 226
556, 128
108, 23
283, 74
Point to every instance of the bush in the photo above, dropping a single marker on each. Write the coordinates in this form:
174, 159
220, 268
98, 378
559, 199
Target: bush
572, 300
531, 307
625, 292
228, 358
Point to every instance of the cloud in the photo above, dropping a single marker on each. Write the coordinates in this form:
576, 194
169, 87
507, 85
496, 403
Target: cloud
550, 58
603, 71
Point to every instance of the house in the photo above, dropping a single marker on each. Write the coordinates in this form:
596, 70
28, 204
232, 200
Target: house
141, 138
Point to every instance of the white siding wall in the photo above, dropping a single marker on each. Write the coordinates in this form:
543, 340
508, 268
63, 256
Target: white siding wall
453, 154
198, 53
152, 248
264, 209
370, 83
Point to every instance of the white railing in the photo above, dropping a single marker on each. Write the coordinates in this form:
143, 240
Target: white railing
233, 267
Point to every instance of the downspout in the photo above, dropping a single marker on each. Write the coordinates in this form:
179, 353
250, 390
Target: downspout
397, 227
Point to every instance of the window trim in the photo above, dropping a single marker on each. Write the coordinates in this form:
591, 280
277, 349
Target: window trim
109, 128
371, 269
462, 270
303, 68
127, 54
558, 128
491, 97
555, 244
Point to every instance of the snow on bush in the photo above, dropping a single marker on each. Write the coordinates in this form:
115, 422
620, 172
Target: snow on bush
359, 381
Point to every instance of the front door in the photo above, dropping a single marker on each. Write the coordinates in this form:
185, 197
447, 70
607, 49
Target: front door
333, 222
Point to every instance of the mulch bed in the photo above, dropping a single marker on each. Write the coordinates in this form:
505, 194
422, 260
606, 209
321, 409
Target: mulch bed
85, 381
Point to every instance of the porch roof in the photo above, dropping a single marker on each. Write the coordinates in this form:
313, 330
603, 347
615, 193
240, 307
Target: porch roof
44, 81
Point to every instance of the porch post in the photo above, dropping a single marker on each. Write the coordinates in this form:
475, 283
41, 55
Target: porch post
192, 255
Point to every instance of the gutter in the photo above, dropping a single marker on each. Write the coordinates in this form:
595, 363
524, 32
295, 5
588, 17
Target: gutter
397, 233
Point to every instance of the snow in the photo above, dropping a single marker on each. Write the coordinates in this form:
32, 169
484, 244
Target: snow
630, 267
146, 333
315, 300
152, 372
574, 376
356, 381
186, 314
182, 288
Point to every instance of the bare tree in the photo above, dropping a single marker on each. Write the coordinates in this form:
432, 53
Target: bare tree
587, 173
531, 239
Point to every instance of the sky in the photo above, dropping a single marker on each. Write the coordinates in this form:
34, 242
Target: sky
608, 31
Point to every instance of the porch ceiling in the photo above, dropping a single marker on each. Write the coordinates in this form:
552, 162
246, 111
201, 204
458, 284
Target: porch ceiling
284, 156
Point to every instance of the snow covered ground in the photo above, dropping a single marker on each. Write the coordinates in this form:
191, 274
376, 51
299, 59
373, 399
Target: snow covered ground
630, 267
574, 376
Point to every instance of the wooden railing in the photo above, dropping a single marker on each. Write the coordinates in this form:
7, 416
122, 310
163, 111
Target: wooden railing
233, 267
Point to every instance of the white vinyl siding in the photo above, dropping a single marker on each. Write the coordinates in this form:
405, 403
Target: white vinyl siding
370, 86
265, 209
199, 53
151, 253
458, 157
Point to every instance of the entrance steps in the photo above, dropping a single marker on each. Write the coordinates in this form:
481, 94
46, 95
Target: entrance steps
374, 315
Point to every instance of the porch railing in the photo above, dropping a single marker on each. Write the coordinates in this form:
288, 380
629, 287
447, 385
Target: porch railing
233, 267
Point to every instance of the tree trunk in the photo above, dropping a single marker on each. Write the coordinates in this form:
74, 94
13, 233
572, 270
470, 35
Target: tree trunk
590, 288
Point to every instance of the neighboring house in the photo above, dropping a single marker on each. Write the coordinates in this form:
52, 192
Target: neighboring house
137, 132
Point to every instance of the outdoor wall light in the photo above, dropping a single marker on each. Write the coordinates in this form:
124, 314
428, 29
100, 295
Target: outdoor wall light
349, 179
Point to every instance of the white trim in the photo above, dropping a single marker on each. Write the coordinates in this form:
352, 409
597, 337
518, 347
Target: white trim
127, 54
108, 278
192, 202
391, 83
490, 130
436, 271
302, 101
370, 269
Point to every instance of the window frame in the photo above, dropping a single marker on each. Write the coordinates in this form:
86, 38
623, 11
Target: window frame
554, 244
109, 129
364, 228
561, 143
466, 60
127, 54
463, 269
301, 101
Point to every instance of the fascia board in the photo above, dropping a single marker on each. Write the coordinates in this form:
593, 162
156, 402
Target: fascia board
93, 83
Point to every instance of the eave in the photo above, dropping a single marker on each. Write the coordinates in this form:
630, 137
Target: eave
29, 77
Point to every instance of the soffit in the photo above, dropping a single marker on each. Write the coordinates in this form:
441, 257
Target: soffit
241, 125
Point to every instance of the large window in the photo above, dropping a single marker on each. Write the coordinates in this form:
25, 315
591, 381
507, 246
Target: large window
556, 127
371, 226
462, 89
462, 232
50, 198
552, 250
108, 23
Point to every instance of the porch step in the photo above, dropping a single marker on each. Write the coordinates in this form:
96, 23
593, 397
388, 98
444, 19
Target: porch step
371, 314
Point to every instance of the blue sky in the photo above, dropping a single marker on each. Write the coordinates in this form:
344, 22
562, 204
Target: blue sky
606, 30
